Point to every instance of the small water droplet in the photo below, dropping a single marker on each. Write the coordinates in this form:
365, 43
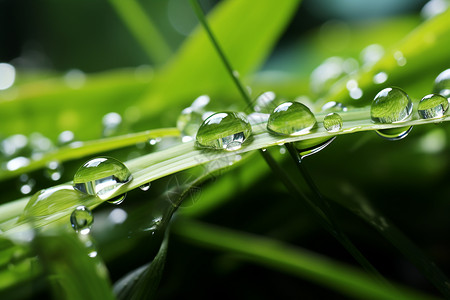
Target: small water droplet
101, 176
391, 105
380, 78
333, 106
401, 60
111, 122
224, 130
442, 84
311, 146
17, 163
7, 76
291, 118
12, 145
53, 171
26, 184
81, 220
432, 106
118, 199
145, 187
394, 134
66, 137
333, 122
372, 54
354, 91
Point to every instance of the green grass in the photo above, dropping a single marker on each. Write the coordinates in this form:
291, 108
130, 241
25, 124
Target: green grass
231, 214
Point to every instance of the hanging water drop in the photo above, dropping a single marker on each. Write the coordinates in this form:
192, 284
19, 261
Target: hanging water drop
333, 122
291, 118
394, 134
145, 187
333, 106
391, 105
81, 220
101, 176
442, 84
118, 199
224, 130
432, 106
311, 146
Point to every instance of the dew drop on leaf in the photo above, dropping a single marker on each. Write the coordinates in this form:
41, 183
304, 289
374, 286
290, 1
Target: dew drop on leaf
145, 187
333, 122
81, 220
442, 84
391, 105
394, 134
224, 130
101, 176
432, 106
291, 118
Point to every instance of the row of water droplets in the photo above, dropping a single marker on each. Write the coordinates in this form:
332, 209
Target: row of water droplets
229, 130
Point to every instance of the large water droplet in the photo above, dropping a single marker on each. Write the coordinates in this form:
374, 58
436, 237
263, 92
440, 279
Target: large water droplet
333, 122
391, 105
224, 130
291, 118
394, 134
432, 106
442, 84
101, 176
81, 220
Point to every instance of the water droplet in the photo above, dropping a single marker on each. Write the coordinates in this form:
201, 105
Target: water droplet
17, 163
291, 118
189, 122
394, 134
7, 76
311, 146
442, 84
101, 176
401, 60
81, 220
26, 184
333, 122
266, 102
224, 130
54, 171
391, 105
54, 202
372, 54
145, 187
12, 145
433, 8
334, 106
66, 137
118, 199
380, 78
200, 102
111, 122
354, 91
432, 106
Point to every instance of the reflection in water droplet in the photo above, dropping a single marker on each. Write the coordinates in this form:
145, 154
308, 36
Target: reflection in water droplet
81, 220
394, 134
224, 130
7, 76
111, 122
380, 78
54, 171
101, 176
391, 105
432, 106
118, 199
312, 146
145, 187
334, 106
291, 118
333, 122
401, 60
442, 84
